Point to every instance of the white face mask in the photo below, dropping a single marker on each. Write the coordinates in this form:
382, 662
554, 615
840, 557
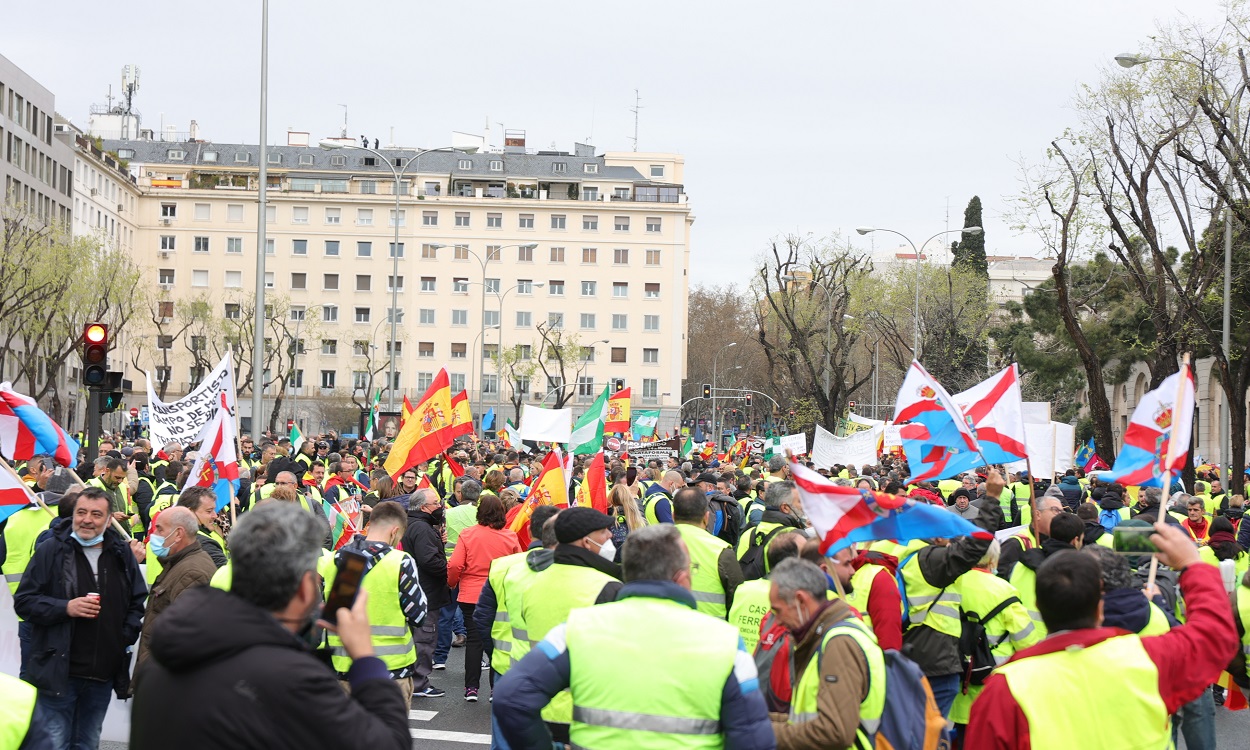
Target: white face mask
607, 550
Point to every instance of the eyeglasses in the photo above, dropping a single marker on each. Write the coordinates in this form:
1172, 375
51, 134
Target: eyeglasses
284, 482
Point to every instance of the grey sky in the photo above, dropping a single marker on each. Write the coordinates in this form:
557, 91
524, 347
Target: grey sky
792, 116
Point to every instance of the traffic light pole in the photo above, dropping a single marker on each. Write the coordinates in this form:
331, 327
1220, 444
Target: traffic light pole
94, 423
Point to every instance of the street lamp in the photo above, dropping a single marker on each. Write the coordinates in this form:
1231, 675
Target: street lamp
397, 173
715, 421
915, 341
475, 355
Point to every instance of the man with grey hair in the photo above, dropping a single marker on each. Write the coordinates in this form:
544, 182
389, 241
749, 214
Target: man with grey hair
423, 539
835, 660
778, 469
585, 655
184, 564
783, 509
246, 652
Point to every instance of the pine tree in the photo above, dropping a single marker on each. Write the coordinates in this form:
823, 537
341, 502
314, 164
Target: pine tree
969, 251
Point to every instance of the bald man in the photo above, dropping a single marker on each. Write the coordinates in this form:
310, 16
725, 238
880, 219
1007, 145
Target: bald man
658, 500
184, 564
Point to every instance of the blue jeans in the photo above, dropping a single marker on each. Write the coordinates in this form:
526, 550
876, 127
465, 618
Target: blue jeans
23, 642
450, 621
1196, 720
497, 742
945, 688
73, 720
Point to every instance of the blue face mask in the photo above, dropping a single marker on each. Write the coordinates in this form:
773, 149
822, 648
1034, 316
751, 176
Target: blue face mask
158, 545
86, 542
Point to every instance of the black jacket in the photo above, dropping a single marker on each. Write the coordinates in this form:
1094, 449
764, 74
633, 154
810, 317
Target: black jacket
212, 547
51, 580
229, 669
424, 542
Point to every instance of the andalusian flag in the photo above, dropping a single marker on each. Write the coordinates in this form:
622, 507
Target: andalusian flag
504, 435
644, 423
428, 433
461, 416
593, 491
549, 488
617, 417
373, 416
587, 434
686, 447
297, 438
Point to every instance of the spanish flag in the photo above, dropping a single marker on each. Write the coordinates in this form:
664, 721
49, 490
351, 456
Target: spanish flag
548, 489
461, 416
405, 412
427, 432
593, 491
617, 419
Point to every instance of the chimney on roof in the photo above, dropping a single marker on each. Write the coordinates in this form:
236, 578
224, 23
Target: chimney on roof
194, 132
583, 149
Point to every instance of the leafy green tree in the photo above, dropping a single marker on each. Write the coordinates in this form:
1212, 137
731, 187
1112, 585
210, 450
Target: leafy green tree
969, 251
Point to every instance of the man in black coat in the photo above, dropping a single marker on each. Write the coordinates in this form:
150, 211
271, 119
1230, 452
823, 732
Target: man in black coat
237, 665
83, 595
423, 539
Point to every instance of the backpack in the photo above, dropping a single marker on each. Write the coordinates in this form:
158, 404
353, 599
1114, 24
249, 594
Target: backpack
754, 562
728, 518
974, 643
1109, 519
911, 719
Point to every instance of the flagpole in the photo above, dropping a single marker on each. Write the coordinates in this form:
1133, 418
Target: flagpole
1171, 456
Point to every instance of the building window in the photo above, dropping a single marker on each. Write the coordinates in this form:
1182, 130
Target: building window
334, 216
294, 380
234, 279
650, 356
558, 166
429, 218
329, 313
494, 221
425, 316
199, 278
270, 246
459, 317
557, 221
162, 374
299, 247
620, 289
557, 255
429, 252
620, 256
490, 318
363, 315
589, 288
490, 351
169, 210
165, 308
433, 188
168, 242
590, 223
590, 255
398, 349
651, 322
269, 279
524, 286
391, 251
620, 322
360, 380
459, 350
653, 223
460, 285
494, 252
525, 254
491, 286
165, 276
299, 215
621, 224
330, 282
164, 342
364, 282
653, 257
203, 212
271, 214
429, 284
234, 212
360, 348
402, 217
555, 320
657, 170
590, 168
233, 311
588, 321
651, 291
496, 165
332, 248
297, 313
525, 221
327, 379
364, 249
299, 282
490, 384
329, 347
525, 352
462, 218
392, 286
464, 164
586, 388
650, 389
618, 355
590, 193
524, 319
555, 288
364, 217
397, 316
425, 348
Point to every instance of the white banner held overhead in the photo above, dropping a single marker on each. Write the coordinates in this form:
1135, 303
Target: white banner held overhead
893, 437
182, 420
796, 444
545, 425
859, 448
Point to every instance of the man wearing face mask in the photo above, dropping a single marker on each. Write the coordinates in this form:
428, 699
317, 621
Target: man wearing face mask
246, 653
583, 574
396, 601
83, 596
714, 571
423, 539
184, 564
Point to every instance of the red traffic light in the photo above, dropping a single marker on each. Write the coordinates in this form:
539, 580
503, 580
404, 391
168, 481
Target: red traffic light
95, 333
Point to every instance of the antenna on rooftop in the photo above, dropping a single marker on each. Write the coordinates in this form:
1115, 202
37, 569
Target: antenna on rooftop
344, 133
635, 109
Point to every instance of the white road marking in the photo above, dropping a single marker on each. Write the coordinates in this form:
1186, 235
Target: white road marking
421, 715
435, 734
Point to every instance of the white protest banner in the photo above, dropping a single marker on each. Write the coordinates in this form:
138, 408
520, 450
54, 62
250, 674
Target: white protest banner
545, 425
893, 436
796, 444
859, 448
182, 420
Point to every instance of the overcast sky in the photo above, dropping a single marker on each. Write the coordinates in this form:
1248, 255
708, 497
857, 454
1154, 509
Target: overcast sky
792, 116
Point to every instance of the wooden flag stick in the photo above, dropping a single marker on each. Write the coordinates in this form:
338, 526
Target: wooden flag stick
1168, 459
33, 497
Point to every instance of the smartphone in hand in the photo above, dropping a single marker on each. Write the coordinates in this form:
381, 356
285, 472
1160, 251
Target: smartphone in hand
1133, 540
346, 584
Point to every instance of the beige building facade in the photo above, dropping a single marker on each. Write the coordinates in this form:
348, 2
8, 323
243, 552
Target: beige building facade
491, 245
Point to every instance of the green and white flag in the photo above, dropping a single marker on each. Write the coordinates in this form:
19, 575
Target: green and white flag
373, 416
297, 438
686, 448
645, 422
587, 434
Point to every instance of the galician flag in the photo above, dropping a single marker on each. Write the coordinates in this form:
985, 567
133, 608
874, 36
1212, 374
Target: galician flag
587, 434
297, 438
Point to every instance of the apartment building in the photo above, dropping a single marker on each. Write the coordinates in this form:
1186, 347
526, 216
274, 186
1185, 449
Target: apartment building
491, 245
36, 168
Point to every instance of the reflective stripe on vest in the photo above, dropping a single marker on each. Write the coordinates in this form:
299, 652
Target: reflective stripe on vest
748, 610
926, 605
501, 658
804, 705
516, 583
615, 708
1079, 680
392, 640
861, 587
20, 533
705, 583
1025, 581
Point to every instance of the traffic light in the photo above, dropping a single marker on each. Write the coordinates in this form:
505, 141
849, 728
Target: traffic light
851, 405
619, 384
95, 353
748, 401
110, 401
707, 390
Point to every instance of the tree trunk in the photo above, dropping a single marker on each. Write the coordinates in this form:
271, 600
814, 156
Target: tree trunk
1099, 405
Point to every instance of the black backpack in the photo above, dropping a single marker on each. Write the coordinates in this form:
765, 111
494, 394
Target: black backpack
754, 563
974, 643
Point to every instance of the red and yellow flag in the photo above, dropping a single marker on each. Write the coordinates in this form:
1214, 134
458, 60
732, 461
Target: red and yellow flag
593, 491
549, 488
461, 416
427, 432
617, 418
405, 412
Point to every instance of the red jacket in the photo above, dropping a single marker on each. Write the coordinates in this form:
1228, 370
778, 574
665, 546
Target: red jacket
1188, 658
476, 548
885, 604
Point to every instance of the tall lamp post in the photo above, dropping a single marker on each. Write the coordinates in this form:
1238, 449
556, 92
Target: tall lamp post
1129, 60
398, 174
262, 216
715, 416
915, 341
